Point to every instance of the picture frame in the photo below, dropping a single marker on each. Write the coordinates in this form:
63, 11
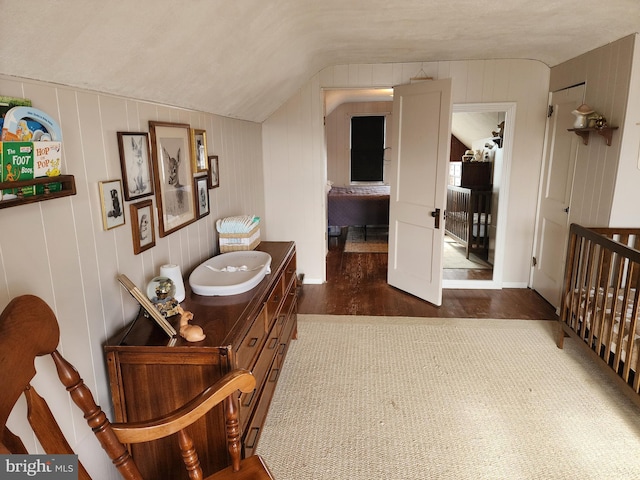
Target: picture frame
135, 162
142, 226
173, 175
214, 172
111, 204
201, 187
146, 304
199, 150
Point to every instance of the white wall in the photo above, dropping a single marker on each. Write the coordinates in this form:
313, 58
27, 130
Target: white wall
626, 198
59, 251
295, 158
338, 132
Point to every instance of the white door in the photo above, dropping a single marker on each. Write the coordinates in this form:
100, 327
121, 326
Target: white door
418, 179
552, 225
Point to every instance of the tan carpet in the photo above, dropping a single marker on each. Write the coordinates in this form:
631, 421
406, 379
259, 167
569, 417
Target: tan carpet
454, 256
376, 242
364, 398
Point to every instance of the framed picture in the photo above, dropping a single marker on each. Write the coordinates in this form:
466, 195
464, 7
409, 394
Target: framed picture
173, 175
201, 185
136, 164
142, 226
199, 150
111, 204
214, 172
148, 306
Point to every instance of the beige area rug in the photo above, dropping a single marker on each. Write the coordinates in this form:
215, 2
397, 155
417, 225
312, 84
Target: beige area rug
376, 242
364, 398
454, 256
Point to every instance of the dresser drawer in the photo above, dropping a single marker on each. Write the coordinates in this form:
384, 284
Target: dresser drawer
251, 345
260, 372
286, 309
290, 271
253, 430
287, 333
273, 302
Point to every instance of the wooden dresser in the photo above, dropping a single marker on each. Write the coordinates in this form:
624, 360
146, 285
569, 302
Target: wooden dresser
471, 174
251, 330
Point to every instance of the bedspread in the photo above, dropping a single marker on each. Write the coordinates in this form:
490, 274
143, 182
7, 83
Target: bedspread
358, 205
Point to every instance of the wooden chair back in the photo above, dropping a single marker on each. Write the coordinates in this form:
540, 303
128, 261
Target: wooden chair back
30, 329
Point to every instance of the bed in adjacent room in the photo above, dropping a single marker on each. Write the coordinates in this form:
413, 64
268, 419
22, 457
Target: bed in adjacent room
358, 205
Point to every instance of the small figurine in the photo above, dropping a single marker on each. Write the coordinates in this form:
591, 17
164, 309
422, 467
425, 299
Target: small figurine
582, 115
191, 333
161, 292
600, 123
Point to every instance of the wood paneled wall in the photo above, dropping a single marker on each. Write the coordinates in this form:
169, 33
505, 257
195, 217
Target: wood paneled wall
59, 251
605, 189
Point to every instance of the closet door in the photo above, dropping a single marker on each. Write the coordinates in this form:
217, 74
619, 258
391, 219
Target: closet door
552, 224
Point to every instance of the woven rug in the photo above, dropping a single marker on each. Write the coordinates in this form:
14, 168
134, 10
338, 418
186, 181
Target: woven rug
376, 242
454, 256
364, 398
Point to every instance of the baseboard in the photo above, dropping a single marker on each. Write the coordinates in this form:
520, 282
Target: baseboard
312, 281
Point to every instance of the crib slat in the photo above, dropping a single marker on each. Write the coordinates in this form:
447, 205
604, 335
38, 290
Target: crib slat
597, 311
614, 308
631, 267
585, 286
610, 324
571, 275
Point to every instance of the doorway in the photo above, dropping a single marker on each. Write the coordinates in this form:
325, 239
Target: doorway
470, 229
480, 120
379, 101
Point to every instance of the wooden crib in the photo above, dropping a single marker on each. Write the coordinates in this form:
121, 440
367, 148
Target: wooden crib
468, 218
599, 305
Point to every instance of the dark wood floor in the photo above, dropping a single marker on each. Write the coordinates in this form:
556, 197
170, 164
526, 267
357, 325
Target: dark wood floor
357, 285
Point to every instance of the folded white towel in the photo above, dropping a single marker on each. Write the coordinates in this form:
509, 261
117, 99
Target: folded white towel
231, 268
238, 224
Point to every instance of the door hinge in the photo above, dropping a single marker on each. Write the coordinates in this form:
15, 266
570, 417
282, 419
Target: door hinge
534, 261
550, 111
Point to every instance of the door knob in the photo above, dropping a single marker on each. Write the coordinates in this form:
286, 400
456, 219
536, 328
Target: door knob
436, 215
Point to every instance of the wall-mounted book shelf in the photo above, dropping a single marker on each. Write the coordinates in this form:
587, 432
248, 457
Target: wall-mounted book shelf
67, 182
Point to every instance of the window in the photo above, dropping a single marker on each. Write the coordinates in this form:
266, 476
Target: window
367, 148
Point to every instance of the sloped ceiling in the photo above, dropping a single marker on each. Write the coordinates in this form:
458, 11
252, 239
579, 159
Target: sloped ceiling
471, 126
245, 58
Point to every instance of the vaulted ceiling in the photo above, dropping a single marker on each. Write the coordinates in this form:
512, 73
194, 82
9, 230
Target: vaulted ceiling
245, 58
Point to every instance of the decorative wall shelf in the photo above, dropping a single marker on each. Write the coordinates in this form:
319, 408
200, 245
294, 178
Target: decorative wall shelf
68, 188
606, 132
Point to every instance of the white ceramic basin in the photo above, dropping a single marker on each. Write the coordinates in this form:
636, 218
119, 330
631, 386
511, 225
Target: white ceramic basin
230, 273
